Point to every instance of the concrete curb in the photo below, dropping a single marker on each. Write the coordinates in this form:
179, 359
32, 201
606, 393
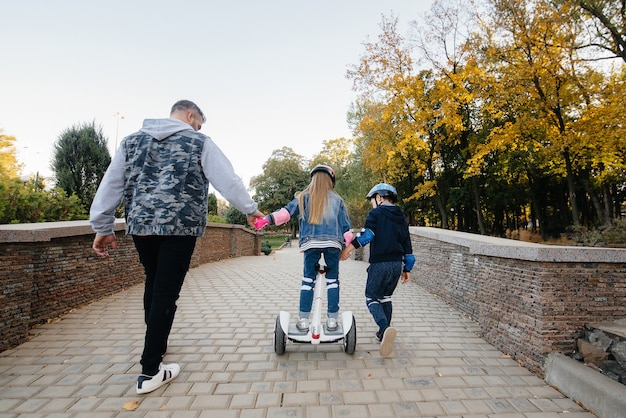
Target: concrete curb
601, 395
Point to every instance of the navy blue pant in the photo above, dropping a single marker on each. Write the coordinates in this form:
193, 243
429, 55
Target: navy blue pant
165, 260
382, 279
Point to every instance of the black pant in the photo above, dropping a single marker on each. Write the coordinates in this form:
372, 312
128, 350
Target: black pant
166, 261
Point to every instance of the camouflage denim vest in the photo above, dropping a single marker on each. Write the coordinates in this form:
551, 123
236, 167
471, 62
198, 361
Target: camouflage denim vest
166, 192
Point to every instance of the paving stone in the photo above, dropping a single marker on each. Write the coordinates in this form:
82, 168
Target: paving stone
87, 363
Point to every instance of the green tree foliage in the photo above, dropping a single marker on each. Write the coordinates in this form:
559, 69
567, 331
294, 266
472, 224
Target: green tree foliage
28, 201
284, 174
212, 205
80, 160
235, 216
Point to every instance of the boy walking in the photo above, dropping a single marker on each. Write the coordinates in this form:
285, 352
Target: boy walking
391, 258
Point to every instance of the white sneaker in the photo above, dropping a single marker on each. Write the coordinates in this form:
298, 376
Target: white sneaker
303, 324
166, 373
386, 344
331, 324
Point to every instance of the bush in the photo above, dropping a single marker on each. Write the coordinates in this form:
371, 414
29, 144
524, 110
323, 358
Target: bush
26, 202
604, 236
216, 219
235, 217
266, 247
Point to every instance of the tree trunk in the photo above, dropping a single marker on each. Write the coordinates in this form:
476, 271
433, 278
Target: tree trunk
479, 212
536, 206
608, 210
571, 188
442, 211
617, 209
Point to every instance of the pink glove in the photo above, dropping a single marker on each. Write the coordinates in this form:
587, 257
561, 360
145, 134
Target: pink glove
348, 236
259, 223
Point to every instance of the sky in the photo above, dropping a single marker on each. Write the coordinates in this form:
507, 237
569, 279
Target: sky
266, 74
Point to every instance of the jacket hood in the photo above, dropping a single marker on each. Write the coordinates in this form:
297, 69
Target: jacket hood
393, 212
160, 129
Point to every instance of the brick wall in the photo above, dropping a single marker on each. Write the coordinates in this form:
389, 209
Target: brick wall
49, 269
529, 301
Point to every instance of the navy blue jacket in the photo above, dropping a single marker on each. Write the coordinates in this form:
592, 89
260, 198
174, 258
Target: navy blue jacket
391, 240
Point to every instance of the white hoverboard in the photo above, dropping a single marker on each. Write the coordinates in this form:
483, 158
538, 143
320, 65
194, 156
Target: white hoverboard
318, 332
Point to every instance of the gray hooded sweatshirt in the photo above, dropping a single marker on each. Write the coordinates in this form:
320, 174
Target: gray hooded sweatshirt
162, 174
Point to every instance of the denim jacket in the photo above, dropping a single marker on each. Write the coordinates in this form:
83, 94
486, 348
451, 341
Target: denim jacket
332, 228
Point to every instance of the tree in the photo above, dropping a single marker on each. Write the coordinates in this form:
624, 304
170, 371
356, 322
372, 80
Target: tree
536, 52
284, 174
235, 217
212, 205
605, 24
9, 166
413, 123
600, 131
391, 136
27, 201
80, 160
450, 109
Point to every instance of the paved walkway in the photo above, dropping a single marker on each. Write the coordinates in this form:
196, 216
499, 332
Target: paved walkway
86, 363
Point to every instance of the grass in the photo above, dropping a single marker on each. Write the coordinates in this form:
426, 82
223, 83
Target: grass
276, 241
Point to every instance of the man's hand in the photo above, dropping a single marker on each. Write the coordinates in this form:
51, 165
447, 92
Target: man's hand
101, 244
406, 276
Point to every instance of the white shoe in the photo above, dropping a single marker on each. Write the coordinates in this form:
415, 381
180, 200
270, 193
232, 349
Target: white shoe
386, 344
331, 324
166, 373
303, 324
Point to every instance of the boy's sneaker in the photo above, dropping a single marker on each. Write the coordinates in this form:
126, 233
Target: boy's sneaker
386, 345
379, 336
303, 324
331, 324
166, 373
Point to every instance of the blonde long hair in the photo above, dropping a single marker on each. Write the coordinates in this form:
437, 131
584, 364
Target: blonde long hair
318, 189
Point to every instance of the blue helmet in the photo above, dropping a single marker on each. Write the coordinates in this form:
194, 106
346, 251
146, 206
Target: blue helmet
384, 190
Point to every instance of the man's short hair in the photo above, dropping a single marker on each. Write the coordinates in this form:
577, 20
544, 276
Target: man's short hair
186, 105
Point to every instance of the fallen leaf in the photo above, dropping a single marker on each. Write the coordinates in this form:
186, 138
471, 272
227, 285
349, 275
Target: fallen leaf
130, 405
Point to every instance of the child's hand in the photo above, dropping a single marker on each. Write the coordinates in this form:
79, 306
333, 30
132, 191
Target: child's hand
406, 276
345, 253
259, 223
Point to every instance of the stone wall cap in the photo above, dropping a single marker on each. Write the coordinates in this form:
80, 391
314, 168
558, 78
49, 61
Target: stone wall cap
520, 250
46, 231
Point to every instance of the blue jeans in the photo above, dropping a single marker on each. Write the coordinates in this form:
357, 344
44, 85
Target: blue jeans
311, 258
165, 260
382, 279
